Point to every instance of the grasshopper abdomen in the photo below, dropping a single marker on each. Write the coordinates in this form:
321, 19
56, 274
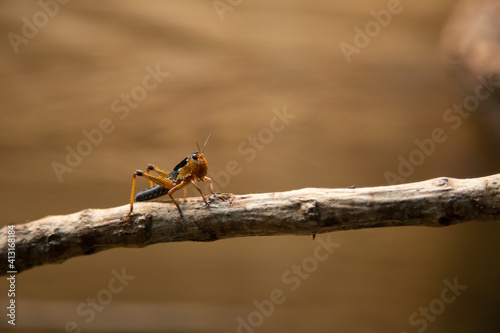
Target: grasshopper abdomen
151, 193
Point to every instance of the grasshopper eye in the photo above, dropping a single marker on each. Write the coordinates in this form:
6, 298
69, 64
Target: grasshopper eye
194, 156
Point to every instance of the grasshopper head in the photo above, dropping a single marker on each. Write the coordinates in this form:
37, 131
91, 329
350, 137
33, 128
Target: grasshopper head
198, 165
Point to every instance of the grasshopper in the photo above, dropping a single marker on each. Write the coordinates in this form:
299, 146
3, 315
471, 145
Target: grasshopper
194, 167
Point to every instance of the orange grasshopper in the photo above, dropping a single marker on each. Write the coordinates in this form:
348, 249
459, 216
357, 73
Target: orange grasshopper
194, 167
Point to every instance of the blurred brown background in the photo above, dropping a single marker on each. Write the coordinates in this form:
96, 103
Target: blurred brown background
227, 72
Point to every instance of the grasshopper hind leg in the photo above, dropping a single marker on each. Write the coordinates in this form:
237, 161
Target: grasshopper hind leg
162, 188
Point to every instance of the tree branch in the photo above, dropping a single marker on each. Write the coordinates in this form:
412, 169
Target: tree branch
434, 203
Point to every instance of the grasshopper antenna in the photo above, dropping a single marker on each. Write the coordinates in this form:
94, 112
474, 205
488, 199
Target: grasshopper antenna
203, 151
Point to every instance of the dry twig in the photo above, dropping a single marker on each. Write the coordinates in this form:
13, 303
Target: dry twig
434, 203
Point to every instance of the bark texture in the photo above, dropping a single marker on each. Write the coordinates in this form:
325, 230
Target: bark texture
435, 203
